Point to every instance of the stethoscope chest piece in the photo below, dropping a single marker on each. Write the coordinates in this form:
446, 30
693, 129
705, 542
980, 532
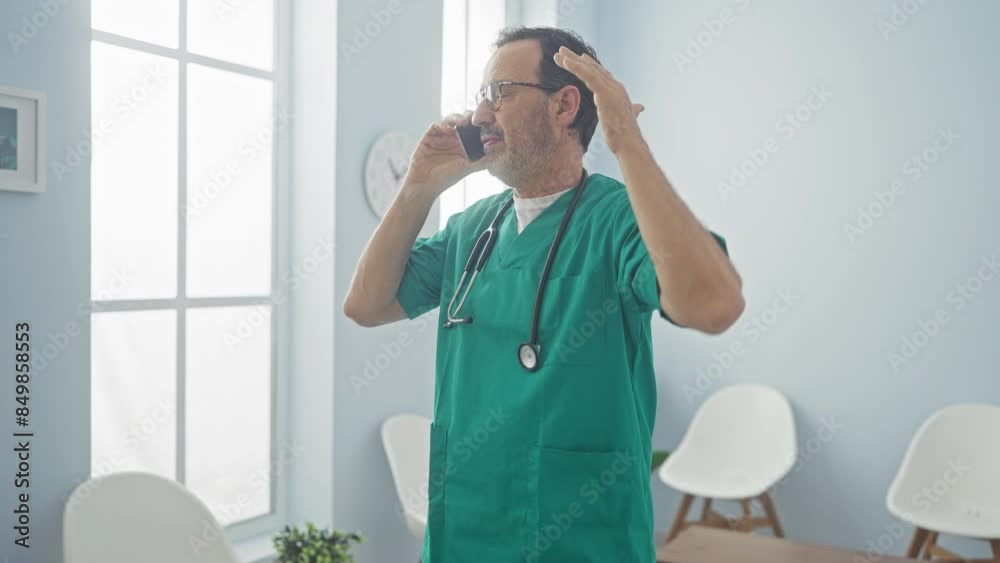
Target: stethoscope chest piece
528, 355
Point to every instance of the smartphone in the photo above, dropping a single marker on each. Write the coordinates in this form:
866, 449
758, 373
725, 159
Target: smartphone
471, 136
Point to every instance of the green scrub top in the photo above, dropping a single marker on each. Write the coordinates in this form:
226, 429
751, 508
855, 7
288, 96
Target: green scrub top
551, 465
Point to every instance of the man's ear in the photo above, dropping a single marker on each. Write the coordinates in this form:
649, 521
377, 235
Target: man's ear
567, 101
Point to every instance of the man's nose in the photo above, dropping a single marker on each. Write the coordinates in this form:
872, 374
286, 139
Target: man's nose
483, 115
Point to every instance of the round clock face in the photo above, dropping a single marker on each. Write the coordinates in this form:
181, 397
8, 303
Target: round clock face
388, 160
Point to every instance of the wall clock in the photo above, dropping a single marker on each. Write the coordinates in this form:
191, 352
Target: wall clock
388, 160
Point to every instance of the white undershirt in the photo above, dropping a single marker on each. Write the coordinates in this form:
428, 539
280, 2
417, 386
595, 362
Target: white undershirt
527, 209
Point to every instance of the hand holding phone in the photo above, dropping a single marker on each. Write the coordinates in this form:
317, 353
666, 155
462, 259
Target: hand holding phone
448, 151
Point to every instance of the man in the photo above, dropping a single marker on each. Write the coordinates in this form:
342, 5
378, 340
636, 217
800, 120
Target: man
544, 456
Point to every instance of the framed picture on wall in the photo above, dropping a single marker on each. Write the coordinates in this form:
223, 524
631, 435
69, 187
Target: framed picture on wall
22, 140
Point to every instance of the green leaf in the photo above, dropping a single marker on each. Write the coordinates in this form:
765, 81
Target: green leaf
314, 545
659, 456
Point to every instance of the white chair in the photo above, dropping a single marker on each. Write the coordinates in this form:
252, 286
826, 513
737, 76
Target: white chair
740, 444
407, 442
131, 516
949, 481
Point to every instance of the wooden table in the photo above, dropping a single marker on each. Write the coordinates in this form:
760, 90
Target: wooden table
698, 544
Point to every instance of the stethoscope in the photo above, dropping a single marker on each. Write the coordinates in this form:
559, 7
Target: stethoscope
528, 353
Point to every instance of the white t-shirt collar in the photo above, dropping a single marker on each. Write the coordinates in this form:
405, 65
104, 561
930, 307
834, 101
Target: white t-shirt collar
527, 209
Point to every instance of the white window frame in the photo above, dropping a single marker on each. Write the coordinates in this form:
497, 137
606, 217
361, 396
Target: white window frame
279, 76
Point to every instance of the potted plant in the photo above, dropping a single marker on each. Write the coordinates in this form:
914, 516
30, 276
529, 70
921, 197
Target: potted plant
314, 546
659, 456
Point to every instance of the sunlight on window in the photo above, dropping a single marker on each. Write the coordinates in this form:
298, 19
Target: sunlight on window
470, 27
153, 21
184, 211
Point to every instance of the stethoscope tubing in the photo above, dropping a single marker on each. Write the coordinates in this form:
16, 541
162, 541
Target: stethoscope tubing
481, 253
550, 259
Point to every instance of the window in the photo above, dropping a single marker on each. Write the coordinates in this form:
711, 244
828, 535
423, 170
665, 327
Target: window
188, 170
470, 27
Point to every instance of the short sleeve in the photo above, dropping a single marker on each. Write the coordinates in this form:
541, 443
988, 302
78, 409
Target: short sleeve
636, 276
420, 289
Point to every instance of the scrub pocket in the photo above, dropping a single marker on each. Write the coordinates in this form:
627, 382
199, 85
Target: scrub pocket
584, 506
436, 478
577, 313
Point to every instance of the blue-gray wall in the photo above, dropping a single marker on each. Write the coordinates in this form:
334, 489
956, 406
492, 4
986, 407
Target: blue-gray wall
394, 83
855, 300
828, 352
45, 258
785, 228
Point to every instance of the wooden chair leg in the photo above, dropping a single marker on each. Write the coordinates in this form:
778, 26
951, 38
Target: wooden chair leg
745, 522
772, 515
917, 544
929, 544
679, 518
995, 544
705, 508
713, 519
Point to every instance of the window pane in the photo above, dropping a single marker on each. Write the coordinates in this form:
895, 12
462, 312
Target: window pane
229, 409
155, 21
485, 19
134, 108
229, 184
469, 30
134, 392
241, 34
454, 98
480, 185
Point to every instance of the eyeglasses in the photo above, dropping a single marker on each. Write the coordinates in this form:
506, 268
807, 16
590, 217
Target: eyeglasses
493, 92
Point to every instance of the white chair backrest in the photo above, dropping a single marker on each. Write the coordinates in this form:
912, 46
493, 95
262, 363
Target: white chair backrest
407, 442
750, 424
131, 516
955, 455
